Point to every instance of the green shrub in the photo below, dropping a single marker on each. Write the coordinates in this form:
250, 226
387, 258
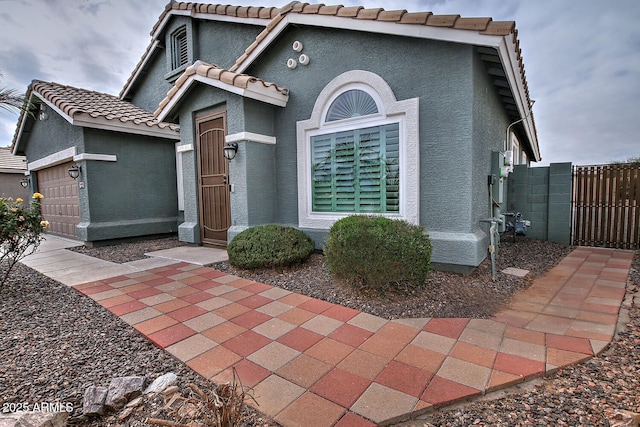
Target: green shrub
268, 246
378, 253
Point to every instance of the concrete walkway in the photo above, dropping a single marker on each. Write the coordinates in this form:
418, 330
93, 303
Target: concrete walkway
313, 363
73, 268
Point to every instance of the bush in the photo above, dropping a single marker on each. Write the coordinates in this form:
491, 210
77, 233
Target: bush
268, 246
21, 231
377, 252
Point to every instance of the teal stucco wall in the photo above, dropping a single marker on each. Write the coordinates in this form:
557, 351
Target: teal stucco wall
461, 122
134, 196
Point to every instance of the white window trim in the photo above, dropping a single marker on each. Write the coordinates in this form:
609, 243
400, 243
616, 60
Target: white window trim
515, 148
179, 179
405, 113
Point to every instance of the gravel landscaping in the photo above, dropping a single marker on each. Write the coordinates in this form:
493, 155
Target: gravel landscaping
57, 342
447, 294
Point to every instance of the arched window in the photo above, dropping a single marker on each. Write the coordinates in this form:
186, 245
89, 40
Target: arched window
353, 152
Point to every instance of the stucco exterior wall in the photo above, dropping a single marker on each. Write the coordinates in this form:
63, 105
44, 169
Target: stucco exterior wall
134, 196
10, 186
220, 43
461, 122
151, 86
455, 137
50, 136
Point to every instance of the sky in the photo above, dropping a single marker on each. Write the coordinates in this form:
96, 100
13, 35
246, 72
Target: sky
581, 57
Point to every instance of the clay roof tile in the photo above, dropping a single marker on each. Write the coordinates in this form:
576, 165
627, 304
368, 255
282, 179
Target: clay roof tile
330, 10
311, 9
500, 28
76, 102
370, 14
391, 15
442, 20
415, 18
476, 24
349, 12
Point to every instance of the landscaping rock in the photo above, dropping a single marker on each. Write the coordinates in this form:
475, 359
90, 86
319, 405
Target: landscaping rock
34, 419
93, 401
622, 418
121, 390
161, 383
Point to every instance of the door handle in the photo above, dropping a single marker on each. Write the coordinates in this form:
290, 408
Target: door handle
224, 179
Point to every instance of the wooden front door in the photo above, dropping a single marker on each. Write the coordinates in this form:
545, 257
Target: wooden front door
213, 180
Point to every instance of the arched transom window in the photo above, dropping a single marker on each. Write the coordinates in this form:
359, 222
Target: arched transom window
350, 104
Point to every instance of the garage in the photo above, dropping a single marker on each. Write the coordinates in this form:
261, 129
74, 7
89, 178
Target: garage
60, 205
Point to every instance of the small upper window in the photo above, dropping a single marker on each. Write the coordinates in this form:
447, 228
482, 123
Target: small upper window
179, 48
352, 103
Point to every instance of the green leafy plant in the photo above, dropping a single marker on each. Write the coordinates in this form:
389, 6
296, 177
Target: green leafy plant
21, 231
373, 252
269, 246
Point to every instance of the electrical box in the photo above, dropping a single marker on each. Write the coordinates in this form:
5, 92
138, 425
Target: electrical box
508, 162
498, 169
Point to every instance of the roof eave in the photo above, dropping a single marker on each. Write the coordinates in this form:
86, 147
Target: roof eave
139, 69
129, 127
205, 16
378, 27
510, 62
504, 44
85, 120
251, 91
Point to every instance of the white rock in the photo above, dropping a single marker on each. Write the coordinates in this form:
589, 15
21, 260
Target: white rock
161, 383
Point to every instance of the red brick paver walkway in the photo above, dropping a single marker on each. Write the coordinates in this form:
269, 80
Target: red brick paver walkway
313, 363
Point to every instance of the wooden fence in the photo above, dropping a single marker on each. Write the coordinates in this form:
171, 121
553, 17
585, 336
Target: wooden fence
606, 206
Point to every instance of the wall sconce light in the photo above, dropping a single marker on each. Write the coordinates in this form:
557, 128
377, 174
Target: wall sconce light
74, 171
230, 150
25, 182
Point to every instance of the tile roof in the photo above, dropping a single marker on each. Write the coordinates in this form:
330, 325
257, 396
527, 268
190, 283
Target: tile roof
484, 26
345, 16
202, 9
481, 25
252, 87
82, 107
10, 162
217, 9
75, 102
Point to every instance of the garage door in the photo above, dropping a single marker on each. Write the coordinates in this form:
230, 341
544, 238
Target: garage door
60, 204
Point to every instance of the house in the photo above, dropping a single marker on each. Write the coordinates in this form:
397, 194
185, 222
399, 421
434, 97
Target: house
12, 175
329, 111
123, 158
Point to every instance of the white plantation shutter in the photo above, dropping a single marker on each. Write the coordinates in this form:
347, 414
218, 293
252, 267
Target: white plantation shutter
356, 170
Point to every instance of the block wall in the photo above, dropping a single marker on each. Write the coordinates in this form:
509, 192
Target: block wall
543, 196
